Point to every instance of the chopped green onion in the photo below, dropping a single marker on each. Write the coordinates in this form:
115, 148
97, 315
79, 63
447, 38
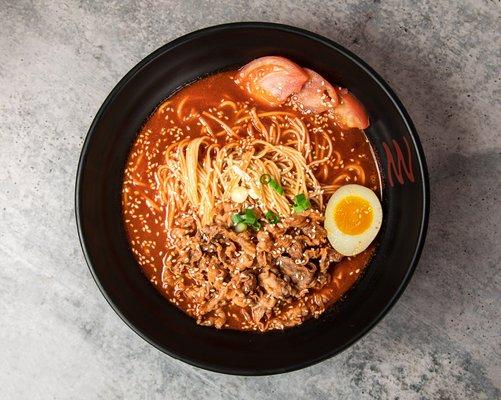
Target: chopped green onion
275, 186
240, 227
265, 178
272, 217
236, 218
243, 220
301, 203
249, 216
268, 180
256, 225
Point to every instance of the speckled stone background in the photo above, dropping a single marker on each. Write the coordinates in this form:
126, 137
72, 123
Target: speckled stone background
59, 339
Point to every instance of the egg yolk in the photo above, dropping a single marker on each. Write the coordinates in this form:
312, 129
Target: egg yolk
353, 215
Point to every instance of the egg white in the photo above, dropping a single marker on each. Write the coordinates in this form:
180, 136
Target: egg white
350, 245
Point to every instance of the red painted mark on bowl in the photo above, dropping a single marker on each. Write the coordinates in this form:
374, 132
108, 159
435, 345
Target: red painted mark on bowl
403, 164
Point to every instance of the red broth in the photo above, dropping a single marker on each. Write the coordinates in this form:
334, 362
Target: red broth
144, 214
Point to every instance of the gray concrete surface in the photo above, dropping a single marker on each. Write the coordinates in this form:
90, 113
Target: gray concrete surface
59, 339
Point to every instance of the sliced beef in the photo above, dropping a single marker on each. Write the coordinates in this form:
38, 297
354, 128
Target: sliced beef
283, 241
299, 274
264, 305
263, 259
272, 284
298, 221
296, 250
263, 277
264, 241
248, 282
327, 257
316, 233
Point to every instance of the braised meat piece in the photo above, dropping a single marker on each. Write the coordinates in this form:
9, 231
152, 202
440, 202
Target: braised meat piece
261, 277
300, 275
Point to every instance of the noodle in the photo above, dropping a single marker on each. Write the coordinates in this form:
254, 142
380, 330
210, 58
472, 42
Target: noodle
138, 183
206, 126
180, 106
150, 203
201, 172
228, 103
204, 171
138, 161
226, 128
267, 114
359, 171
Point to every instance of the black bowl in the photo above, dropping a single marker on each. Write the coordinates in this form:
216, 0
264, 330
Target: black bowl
99, 218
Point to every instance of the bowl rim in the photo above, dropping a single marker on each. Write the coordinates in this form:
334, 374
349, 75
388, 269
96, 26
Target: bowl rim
420, 159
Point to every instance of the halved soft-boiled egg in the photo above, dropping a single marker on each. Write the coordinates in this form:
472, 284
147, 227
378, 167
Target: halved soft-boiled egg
352, 219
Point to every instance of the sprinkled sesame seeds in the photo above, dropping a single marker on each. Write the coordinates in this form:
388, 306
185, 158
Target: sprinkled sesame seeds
145, 225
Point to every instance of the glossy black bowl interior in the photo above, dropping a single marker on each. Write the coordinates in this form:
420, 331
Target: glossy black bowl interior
405, 201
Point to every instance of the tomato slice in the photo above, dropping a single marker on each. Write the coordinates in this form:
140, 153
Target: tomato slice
317, 95
271, 79
350, 112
